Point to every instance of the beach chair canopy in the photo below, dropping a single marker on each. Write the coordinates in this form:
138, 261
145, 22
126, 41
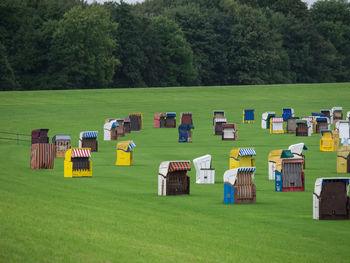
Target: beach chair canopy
322, 119
276, 119
246, 151
326, 132
60, 137
297, 149
171, 114
179, 166
228, 126
218, 113
111, 124
80, 153
220, 120
90, 134
230, 176
337, 109
301, 121
126, 146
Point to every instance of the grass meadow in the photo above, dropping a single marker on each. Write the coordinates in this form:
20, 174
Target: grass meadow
117, 216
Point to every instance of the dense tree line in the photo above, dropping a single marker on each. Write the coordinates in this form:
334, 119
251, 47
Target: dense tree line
69, 44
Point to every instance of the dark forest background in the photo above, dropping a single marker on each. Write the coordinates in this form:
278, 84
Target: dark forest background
69, 44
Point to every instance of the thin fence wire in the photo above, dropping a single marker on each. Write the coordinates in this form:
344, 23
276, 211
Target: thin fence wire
18, 139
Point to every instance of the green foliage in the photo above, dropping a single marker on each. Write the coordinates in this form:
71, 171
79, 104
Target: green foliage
82, 49
129, 50
332, 18
294, 8
175, 56
152, 51
200, 26
7, 76
24, 32
326, 61
296, 42
52, 44
255, 54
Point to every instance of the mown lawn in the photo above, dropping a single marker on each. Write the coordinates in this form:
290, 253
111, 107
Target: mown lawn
116, 216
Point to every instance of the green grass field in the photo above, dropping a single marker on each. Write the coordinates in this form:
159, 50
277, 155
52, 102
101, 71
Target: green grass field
117, 216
